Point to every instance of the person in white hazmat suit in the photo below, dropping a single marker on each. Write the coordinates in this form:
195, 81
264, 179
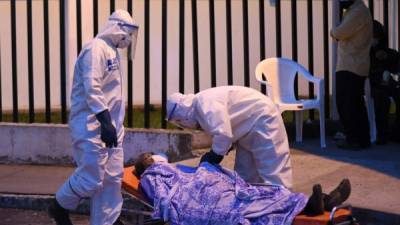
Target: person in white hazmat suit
96, 124
241, 117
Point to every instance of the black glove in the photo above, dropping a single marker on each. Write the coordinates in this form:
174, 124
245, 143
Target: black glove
211, 157
108, 132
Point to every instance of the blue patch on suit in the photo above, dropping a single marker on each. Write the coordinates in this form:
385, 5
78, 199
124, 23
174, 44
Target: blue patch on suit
112, 64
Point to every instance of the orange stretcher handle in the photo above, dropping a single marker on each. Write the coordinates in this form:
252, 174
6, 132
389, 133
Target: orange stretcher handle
130, 183
340, 216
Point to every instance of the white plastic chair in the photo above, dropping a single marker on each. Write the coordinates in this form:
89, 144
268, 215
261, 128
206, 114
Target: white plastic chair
370, 110
278, 74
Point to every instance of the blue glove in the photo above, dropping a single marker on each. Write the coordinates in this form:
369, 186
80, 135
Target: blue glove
108, 132
211, 157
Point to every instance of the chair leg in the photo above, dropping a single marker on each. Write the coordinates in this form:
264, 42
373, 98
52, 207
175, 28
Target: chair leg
370, 110
371, 117
322, 126
372, 123
299, 126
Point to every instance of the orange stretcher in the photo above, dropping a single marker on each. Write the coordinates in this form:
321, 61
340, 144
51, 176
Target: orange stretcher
340, 215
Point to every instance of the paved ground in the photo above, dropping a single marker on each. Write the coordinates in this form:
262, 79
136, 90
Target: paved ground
31, 217
374, 174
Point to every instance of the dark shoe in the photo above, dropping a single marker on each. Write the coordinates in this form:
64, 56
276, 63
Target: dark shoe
59, 214
340, 194
339, 136
365, 145
343, 144
381, 141
118, 222
315, 204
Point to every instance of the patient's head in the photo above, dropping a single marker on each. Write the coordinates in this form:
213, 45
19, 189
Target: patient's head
143, 162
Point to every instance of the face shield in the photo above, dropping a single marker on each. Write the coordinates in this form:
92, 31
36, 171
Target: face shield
129, 33
182, 118
132, 46
169, 119
132, 30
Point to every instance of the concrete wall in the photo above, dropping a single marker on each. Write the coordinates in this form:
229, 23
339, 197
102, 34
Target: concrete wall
51, 144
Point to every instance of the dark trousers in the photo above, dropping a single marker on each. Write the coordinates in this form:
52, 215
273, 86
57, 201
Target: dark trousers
351, 107
382, 106
381, 95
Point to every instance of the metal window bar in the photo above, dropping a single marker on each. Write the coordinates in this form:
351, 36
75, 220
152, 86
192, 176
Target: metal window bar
229, 41
326, 55
1, 92
262, 37
46, 60
30, 62
14, 61
278, 28
78, 26
195, 48
112, 6
96, 17
371, 7
164, 64
63, 77
14, 82
147, 63
212, 43
130, 80
310, 50
182, 46
294, 43
386, 18
246, 43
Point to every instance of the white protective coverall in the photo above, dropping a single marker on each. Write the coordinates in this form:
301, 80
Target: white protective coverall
97, 87
244, 117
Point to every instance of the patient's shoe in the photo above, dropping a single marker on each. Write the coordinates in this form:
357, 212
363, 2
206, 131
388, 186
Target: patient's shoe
118, 222
315, 204
59, 214
340, 194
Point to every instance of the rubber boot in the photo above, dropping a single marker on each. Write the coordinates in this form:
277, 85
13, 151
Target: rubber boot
339, 195
59, 214
315, 204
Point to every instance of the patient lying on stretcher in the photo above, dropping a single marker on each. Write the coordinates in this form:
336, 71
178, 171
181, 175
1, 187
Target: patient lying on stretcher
211, 194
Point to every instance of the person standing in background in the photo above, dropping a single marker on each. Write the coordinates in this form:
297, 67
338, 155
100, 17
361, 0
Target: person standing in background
385, 83
354, 36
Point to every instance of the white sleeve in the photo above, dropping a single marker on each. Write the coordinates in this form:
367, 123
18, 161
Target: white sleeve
93, 66
214, 119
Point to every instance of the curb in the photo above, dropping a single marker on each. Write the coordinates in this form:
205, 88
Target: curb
133, 210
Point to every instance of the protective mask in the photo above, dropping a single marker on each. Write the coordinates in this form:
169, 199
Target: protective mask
160, 157
124, 42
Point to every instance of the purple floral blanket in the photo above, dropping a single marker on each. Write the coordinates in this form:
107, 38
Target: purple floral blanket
214, 195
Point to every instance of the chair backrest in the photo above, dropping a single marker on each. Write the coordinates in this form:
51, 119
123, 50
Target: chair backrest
278, 74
